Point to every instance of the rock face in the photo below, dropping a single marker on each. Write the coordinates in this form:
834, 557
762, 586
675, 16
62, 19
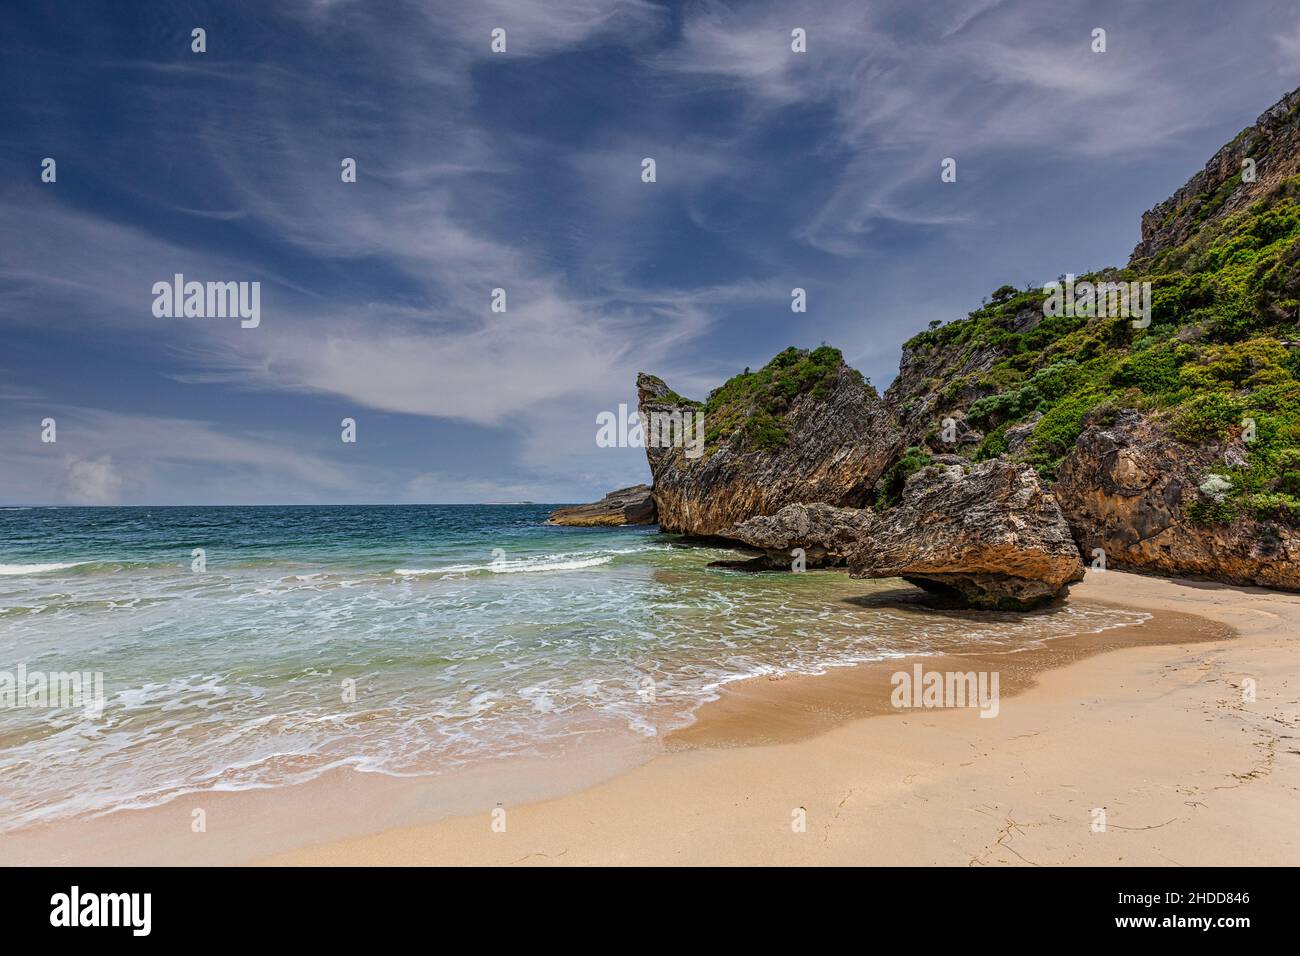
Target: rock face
1132, 490
995, 408
1220, 189
989, 532
632, 505
837, 441
825, 533
917, 396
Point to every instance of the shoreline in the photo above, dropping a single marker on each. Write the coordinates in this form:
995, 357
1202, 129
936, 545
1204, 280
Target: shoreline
1155, 734
874, 790
791, 708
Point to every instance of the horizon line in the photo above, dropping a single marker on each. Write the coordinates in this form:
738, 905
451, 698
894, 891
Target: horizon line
340, 504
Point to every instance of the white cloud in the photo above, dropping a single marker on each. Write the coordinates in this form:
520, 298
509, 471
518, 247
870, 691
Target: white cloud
1289, 43
994, 77
114, 457
94, 482
539, 27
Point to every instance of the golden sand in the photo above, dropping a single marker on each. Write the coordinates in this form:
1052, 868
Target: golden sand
1153, 729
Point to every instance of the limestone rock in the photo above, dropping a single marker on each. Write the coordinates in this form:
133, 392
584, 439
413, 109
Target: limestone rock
1220, 189
632, 505
989, 532
824, 532
1130, 489
832, 443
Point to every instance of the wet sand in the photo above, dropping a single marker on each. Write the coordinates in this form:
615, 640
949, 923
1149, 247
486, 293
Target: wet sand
1147, 723
1140, 746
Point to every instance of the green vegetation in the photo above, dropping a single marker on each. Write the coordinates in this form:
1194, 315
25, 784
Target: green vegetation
891, 485
750, 409
674, 398
1211, 361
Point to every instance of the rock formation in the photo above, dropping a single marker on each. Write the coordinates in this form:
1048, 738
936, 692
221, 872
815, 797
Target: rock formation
825, 533
1221, 188
806, 428
1019, 434
632, 505
1145, 499
989, 532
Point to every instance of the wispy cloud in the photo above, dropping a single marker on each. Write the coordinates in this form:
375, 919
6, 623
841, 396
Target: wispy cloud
521, 171
103, 457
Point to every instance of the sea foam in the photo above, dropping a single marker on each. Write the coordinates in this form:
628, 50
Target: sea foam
37, 568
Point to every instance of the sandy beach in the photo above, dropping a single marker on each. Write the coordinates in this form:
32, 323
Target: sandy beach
1151, 723
1156, 731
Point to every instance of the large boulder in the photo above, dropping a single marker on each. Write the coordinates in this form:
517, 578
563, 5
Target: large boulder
632, 505
806, 428
1133, 491
824, 533
990, 533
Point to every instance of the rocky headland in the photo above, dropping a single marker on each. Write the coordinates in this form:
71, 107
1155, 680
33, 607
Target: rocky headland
1021, 442
632, 505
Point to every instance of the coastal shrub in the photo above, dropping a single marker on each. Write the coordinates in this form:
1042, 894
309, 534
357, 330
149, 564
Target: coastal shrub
1002, 376
1058, 430
1152, 370
1003, 294
674, 398
1287, 466
1045, 387
1253, 363
994, 443
1216, 487
1206, 513
764, 431
1282, 508
890, 487
1210, 418
750, 408
1223, 304
1003, 407
1057, 380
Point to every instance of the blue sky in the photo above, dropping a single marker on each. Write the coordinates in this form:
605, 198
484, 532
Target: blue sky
522, 170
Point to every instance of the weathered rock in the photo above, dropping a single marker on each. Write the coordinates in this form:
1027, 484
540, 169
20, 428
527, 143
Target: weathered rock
1127, 488
952, 434
838, 440
1017, 436
920, 395
632, 505
989, 532
824, 532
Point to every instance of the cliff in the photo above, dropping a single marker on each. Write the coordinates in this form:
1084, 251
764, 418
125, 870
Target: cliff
1225, 185
1164, 417
804, 428
1174, 446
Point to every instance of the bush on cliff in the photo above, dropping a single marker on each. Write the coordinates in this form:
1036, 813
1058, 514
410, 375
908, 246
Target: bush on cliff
750, 409
1215, 358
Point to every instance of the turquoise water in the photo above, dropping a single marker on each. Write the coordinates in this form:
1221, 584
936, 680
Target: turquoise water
469, 634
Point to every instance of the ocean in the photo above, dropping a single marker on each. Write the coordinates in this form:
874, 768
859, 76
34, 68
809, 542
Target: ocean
401, 640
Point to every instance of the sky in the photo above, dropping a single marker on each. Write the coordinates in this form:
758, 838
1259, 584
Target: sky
522, 170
